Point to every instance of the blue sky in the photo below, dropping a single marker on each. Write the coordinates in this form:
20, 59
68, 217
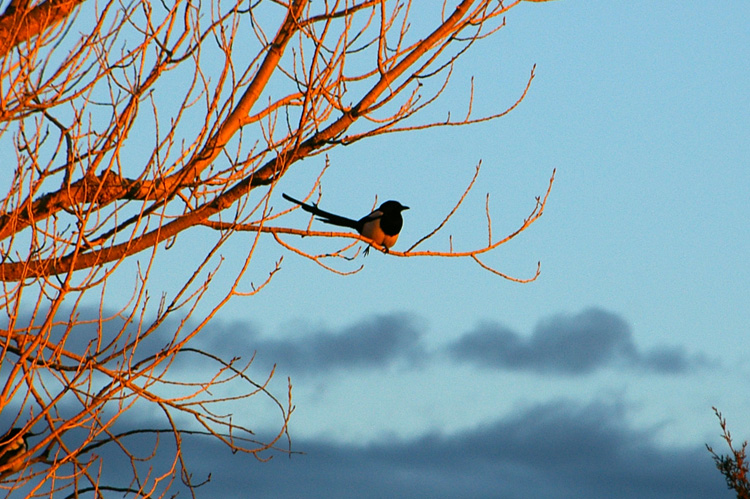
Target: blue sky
644, 111
637, 324
433, 378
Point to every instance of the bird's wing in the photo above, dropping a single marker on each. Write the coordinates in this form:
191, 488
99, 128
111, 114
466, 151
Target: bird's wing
372, 216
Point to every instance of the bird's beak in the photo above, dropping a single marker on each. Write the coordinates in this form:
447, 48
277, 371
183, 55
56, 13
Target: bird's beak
404, 208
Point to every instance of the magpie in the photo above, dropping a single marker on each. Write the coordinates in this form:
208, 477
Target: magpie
12, 445
381, 226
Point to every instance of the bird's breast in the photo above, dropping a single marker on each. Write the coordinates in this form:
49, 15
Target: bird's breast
374, 232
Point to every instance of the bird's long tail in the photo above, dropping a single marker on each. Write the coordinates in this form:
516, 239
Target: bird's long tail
324, 216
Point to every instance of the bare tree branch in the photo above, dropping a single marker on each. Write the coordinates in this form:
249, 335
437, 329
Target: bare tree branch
129, 124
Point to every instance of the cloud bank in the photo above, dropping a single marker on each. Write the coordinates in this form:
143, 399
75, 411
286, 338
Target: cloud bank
559, 449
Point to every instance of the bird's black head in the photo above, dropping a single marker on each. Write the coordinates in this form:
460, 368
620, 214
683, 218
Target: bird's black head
392, 207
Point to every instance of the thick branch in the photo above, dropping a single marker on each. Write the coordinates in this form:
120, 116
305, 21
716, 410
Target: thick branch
109, 187
21, 25
101, 189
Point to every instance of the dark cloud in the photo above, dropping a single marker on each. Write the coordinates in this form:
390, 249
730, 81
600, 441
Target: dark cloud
568, 344
377, 341
373, 342
559, 449
556, 450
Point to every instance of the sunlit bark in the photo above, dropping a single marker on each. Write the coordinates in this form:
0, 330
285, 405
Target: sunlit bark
124, 124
